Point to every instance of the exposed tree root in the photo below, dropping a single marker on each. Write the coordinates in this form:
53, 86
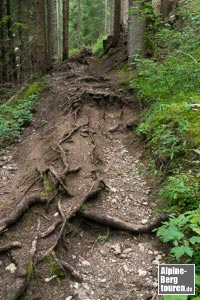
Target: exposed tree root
50, 230
10, 246
65, 267
120, 224
95, 190
24, 273
19, 210
72, 131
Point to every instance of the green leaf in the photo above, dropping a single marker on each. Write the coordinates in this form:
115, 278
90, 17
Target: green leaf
195, 239
197, 280
181, 250
197, 230
175, 297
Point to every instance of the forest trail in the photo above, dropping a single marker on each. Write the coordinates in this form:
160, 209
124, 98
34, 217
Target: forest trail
79, 147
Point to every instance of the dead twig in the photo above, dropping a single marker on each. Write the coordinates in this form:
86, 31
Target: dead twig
50, 230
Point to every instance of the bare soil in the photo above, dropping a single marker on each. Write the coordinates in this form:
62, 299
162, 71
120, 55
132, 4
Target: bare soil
113, 264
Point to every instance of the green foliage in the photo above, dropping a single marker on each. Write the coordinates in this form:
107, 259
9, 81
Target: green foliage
175, 297
101, 238
73, 52
53, 266
182, 190
183, 231
98, 46
14, 115
168, 86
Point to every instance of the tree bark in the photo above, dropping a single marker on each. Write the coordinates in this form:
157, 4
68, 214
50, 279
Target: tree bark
111, 17
117, 20
3, 69
136, 30
65, 29
11, 47
41, 47
79, 24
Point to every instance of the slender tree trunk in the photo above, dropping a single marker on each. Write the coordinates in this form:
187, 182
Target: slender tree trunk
111, 17
124, 14
136, 30
3, 68
105, 16
49, 32
41, 49
21, 42
65, 29
11, 50
79, 24
117, 20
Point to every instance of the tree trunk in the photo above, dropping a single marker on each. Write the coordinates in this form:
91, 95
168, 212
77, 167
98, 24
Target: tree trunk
105, 17
49, 32
11, 47
136, 30
65, 29
3, 69
21, 42
167, 7
41, 49
124, 14
111, 17
79, 24
117, 20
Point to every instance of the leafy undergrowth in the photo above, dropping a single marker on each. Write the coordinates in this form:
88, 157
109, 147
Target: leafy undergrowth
14, 115
168, 88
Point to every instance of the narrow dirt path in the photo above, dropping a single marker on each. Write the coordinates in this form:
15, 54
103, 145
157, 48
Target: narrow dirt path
77, 149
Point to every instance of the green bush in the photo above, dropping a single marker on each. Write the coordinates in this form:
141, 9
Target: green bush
98, 46
14, 115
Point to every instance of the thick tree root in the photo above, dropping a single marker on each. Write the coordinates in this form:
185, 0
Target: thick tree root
24, 273
95, 190
117, 223
19, 210
10, 246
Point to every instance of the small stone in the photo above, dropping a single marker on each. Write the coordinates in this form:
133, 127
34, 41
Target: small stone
125, 267
86, 263
76, 285
12, 268
114, 190
103, 280
155, 284
141, 247
144, 221
50, 278
116, 248
158, 257
145, 203
150, 252
56, 214
114, 201
155, 262
142, 272
156, 252
1, 263
127, 250
69, 298
73, 256
85, 286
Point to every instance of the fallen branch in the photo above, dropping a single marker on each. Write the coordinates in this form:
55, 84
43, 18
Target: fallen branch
10, 246
119, 224
65, 267
19, 210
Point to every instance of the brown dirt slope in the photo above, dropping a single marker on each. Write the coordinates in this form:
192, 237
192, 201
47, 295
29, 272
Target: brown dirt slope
78, 148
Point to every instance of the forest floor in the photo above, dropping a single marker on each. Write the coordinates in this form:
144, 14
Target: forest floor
78, 148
